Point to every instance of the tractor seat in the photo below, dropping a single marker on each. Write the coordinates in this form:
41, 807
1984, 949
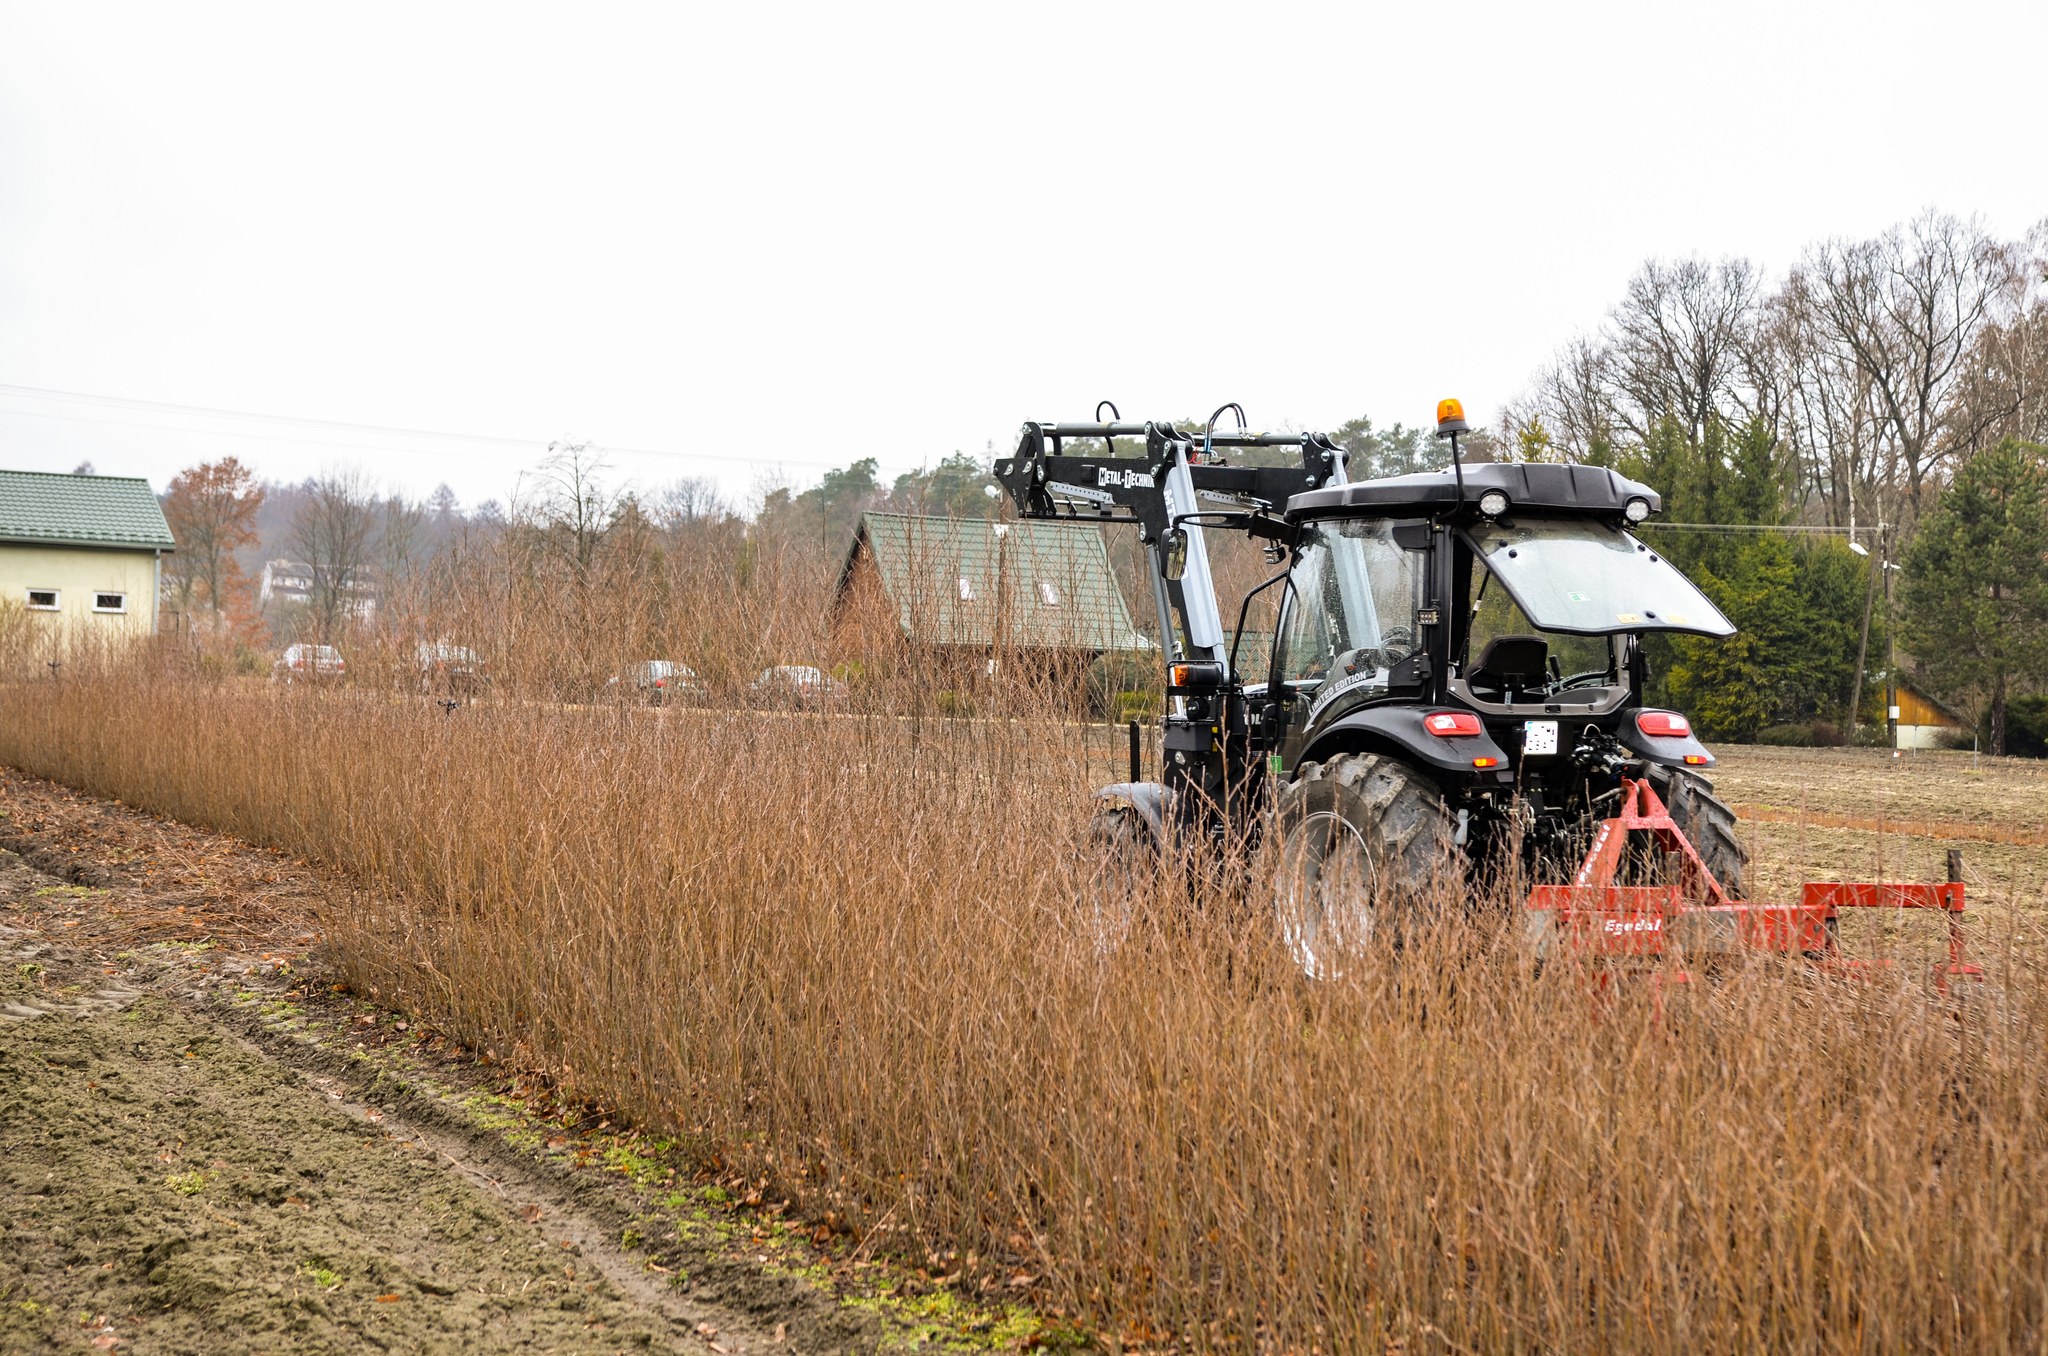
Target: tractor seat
1510, 666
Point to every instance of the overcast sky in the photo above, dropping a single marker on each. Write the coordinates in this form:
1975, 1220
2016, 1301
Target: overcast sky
744, 241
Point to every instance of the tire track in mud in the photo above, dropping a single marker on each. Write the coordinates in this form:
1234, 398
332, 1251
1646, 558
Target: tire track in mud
181, 1173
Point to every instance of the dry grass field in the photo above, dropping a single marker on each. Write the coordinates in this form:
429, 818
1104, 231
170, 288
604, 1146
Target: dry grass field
1864, 814
858, 960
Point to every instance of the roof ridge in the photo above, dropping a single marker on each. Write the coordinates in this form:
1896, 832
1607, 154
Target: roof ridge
71, 475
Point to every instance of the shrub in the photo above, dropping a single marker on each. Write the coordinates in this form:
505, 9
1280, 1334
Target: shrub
1138, 706
1121, 674
2026, 727
1787, 736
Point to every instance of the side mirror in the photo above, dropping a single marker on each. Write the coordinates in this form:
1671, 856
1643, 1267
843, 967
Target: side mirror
1173, 553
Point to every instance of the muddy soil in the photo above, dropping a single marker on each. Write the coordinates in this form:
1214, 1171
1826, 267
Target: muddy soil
203, 1148
172, 1187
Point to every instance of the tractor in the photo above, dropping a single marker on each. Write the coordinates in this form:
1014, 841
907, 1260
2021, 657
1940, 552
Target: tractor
1456, 678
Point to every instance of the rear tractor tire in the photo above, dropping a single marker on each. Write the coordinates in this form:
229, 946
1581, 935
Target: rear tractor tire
1706, 820
1365, 852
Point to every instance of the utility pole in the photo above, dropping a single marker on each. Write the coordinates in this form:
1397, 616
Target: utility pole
1891, 673
1863, 640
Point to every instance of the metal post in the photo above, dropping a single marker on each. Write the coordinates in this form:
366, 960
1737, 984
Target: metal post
1137, 762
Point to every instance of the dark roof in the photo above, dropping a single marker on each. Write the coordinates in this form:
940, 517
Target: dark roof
1055, 584
1546, 485
51, 509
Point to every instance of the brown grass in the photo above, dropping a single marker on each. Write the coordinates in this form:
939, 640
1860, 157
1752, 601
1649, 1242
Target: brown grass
858, 959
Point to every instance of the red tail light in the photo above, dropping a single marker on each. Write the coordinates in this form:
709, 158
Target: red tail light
1663, 724
1451, 724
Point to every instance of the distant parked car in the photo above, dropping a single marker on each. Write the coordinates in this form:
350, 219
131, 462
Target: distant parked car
309, 662
453, 669
658, 682
797, 685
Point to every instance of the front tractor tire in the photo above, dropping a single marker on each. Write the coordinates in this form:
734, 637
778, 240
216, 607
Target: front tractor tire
1365, 852
1126, 856
1706, 821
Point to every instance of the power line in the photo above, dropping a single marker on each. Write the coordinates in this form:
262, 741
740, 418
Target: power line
1749, 527
158, 407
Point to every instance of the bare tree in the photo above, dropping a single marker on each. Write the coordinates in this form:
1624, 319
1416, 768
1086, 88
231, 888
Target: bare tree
2004, 393
331, 533
1678, 342
1828, 414
691, 500
1905, 310
570, 507
402, 539
1685, 343
1572, 405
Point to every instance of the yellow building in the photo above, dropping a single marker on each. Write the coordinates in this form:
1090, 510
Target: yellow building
1925, 723
82, 554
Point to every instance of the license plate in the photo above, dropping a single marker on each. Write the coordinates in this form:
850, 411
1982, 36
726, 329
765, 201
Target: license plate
1539, 736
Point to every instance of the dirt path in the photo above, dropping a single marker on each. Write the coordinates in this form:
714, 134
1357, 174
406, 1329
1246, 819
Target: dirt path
173, 1184
204, 1148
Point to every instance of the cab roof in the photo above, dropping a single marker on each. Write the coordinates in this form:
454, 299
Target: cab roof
1551, 488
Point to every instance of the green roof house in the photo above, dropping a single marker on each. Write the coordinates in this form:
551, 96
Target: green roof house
82, 554
968, 587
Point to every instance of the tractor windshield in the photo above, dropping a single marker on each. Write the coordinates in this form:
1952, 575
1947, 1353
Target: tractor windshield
1585, 578
1351, 605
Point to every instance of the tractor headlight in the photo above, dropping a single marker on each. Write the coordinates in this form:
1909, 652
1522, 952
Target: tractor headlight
1493, 503
1636, 509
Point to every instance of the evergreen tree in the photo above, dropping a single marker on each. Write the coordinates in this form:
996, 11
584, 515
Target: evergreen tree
1976, 581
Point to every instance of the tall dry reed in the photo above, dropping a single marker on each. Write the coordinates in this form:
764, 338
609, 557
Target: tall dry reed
864, 958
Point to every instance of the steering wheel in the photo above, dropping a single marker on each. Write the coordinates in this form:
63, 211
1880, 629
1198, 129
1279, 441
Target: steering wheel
1575, 679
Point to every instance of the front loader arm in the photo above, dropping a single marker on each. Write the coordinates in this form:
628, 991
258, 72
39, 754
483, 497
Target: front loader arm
1179, 480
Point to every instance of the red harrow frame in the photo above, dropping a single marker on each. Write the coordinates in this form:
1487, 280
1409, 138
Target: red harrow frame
1694, 919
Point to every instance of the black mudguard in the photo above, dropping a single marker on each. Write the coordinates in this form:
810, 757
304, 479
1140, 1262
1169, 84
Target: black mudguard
1399, 729
1671, 751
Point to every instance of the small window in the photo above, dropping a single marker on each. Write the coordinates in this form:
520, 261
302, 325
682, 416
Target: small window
110, 602
42, 600
966, 590
1048, 594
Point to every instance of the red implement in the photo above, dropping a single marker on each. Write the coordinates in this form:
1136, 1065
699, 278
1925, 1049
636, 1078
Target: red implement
1690, 916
